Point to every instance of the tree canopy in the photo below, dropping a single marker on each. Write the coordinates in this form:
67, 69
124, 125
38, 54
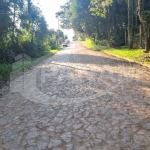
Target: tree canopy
23, 29
107, 20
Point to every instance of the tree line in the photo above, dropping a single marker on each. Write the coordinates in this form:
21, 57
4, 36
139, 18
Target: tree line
23, 29
112, 22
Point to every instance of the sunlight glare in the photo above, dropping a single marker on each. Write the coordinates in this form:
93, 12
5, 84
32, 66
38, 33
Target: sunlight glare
49, 8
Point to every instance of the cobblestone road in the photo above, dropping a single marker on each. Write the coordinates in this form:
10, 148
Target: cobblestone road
78, 100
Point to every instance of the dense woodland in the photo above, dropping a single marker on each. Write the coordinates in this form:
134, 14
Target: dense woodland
112, 22
23, 29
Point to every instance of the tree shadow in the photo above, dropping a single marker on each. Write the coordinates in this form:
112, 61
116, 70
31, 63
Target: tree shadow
103, 78
128, 102
91, 59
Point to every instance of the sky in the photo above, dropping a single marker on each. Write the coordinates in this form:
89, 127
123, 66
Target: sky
49, 8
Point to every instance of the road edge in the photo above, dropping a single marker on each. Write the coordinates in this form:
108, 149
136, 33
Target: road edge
127, 59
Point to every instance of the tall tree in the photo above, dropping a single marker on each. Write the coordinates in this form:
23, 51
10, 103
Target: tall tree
114, 12
5, 30
130, 24
144, 16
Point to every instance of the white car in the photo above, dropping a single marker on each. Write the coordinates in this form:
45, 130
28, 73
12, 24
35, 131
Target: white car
65, 44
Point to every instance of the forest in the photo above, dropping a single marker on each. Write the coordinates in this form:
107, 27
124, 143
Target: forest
109, 22
23, 29
112, 23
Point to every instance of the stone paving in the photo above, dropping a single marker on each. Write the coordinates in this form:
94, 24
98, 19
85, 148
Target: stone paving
78, 100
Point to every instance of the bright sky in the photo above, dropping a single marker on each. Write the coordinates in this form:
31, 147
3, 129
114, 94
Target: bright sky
49, 8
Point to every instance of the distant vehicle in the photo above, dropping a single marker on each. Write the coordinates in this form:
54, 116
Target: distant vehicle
67, 41
65, 44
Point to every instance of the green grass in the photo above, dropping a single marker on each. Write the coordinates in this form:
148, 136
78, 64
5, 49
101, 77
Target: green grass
5, 69
54, 51
90, 45
124, 52
134, 54
87, 45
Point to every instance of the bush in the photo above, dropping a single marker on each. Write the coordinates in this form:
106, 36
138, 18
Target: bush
116, 41
103, 42
5, 70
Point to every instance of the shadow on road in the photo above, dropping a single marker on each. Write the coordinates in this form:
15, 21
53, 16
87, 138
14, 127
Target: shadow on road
90, 59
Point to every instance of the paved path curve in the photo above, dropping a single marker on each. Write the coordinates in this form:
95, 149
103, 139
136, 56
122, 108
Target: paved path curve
78, 100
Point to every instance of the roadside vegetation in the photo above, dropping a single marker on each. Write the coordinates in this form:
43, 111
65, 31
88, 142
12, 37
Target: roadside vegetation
23, 29
6, 68
132, 54
122, 51
109, 24
116, 22
88, 43
5, 71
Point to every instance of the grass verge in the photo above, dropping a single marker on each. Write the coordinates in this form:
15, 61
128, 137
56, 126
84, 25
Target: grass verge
123, 52
133, 54
6, 69
90, 45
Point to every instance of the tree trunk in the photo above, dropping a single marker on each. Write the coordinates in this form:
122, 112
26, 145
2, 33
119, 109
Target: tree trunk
136, 15
130, 24
147, 39
108, 24
141, 45
125, 35
144, 22
14, 19
13, 33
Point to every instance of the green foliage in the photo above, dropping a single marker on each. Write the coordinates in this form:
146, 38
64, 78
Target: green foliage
64, 16
98, 45
5, 70
98, 19
104, 20
99, 7
134, 54
66, 37
23, 29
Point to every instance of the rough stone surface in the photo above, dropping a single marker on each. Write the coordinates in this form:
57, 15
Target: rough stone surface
66, 137
54, 143
77, 100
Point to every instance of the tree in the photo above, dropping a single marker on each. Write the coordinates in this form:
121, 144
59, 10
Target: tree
130, 24
80, 19
23, 29
144, 16
114, 14
100, 7
5, 30
64, 16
